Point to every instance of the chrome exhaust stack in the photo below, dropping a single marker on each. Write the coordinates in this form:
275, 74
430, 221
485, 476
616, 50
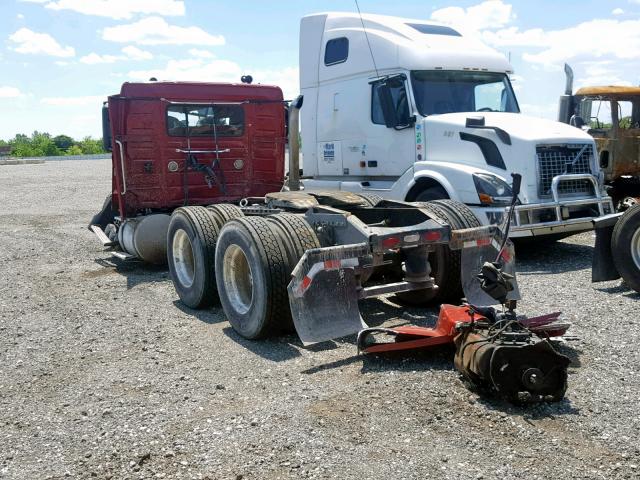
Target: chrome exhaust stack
294, 143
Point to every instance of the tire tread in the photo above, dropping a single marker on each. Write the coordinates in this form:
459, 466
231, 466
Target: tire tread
273, 259
372, 199
621, 245
207, 228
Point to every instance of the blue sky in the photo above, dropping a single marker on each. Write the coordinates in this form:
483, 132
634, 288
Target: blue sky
60, 58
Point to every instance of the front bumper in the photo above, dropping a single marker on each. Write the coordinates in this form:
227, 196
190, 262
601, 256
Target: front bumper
560, 215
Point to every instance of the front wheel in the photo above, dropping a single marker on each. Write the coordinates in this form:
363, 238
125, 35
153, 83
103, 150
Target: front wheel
625, 247
435, 192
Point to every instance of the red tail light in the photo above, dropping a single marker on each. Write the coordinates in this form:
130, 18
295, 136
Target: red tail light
390, 242
432, 236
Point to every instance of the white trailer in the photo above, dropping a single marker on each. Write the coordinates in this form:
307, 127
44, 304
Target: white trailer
414, 111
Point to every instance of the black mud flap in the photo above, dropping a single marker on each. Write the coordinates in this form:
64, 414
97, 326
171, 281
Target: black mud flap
105, 216
602, 267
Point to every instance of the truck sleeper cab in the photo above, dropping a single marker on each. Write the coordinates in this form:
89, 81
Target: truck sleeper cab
436, 117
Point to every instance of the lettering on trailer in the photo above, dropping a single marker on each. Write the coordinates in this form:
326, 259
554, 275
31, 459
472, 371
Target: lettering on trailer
329, 153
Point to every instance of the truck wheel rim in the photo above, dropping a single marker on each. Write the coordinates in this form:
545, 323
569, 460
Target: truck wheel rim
183, 258
238, 281
635, 248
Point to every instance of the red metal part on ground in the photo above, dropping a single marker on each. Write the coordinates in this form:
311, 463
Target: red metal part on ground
548, 325
411, 337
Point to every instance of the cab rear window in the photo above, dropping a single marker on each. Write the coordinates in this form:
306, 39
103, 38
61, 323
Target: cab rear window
205, 120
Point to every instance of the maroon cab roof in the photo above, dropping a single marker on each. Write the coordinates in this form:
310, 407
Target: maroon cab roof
194, 91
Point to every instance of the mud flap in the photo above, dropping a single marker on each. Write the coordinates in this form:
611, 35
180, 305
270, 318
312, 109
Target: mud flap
323, 293
602, 267
474, 254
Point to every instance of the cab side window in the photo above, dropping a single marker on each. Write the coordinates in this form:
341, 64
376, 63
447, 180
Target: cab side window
336, 51
400, 101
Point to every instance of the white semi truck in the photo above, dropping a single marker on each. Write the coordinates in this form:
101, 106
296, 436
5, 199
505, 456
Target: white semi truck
415, 111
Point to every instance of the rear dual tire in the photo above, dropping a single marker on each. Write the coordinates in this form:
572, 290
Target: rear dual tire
371, 199
255, 257
191, 244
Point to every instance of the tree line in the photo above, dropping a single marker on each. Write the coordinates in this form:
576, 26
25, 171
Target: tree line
41, 144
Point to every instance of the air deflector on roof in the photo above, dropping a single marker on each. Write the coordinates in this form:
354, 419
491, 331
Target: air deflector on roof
434, 29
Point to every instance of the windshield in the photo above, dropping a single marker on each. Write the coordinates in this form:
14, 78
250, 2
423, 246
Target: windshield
443, 91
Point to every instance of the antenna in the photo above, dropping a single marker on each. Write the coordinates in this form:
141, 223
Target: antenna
367, 37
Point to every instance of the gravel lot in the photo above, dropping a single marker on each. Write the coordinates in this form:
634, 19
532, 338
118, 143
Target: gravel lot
104, 374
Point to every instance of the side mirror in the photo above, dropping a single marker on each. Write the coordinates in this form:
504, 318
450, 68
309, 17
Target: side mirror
297, 103
577, 121
515, 185
386, 103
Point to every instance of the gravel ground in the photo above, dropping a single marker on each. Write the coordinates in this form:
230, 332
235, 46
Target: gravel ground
104, 374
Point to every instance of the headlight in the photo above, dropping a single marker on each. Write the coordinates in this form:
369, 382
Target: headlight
492, 190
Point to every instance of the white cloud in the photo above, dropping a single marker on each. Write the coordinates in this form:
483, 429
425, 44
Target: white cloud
35, 1
490, 20
130, 53
156, 31
134, 53
10, 92
198, 69
604, 72
617, 11
193, 69
195, 52
119, 9
94, 58
286, 78
20, 16
491, 14
28, 41
513, 37
74, 101
574, 42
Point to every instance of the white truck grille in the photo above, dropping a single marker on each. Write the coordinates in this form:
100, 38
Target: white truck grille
556, 160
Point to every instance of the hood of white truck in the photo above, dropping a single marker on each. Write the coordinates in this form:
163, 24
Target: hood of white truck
520, 126
444, 145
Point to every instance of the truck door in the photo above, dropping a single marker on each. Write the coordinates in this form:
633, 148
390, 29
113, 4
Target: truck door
353, 139
390, 148
136, 130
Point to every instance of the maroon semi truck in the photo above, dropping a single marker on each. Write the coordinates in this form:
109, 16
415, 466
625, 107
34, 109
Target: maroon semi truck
177, 144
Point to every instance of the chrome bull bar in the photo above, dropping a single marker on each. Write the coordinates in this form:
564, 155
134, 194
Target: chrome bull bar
598, 200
